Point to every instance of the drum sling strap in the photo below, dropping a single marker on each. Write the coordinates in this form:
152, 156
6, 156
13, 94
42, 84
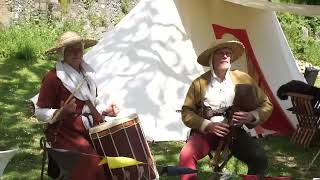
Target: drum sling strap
96, 116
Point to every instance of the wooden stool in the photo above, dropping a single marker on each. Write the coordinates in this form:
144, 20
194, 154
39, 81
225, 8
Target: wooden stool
307, 111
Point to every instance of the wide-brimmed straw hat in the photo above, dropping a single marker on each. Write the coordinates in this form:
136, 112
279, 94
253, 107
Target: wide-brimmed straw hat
236, 47
69, 38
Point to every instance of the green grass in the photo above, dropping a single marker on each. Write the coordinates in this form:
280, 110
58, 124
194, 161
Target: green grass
23, 66
317, 83
285, 159
20, 81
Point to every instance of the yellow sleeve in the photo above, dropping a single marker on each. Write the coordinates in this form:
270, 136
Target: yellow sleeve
265, 109
190, 107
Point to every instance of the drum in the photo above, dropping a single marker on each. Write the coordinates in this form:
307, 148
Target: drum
124, 137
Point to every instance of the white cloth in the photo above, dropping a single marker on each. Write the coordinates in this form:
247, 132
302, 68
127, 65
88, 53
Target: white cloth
5, 157
44, 114
71, 79
219, 96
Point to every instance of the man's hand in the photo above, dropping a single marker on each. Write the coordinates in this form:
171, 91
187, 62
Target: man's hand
68, 108
241, 117
111, 111
218, 128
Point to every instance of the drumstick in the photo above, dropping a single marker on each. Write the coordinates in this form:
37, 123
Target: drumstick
54, 118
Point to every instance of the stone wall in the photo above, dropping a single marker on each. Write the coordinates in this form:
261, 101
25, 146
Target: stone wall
4, 13
98, 16
302, 65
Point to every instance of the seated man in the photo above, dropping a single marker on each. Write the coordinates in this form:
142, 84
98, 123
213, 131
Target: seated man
67, 92
216, 89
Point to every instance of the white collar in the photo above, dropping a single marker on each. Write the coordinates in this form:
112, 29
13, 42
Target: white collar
71, 79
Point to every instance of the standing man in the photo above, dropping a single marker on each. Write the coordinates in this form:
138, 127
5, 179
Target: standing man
74, 78
215, 90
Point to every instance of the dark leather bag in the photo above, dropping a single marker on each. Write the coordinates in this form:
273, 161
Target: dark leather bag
245, 99
53, 168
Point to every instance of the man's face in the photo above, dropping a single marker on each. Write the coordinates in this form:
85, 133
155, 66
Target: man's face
73, 54
222, 58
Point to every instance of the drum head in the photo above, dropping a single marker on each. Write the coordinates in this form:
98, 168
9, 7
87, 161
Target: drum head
113, 122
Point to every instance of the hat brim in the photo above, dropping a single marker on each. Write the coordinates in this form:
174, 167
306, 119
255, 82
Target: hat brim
236, 47
87, 44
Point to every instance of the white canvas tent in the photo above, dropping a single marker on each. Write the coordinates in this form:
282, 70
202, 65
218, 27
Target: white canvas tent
148, 61
306, 10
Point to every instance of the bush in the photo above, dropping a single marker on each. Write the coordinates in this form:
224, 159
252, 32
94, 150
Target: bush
125, 6
310, 2
303, 48
29, 40
19, 42
312, 52
25, 50
98, 21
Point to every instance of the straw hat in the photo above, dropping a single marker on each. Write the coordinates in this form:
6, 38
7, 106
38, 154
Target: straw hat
236, 47
69, 38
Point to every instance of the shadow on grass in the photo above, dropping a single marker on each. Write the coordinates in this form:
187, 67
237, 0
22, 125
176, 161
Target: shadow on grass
285, 159
20, 80
31, 171
167, 153
290, 159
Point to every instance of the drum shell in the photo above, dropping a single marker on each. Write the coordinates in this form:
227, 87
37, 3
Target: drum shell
124, 139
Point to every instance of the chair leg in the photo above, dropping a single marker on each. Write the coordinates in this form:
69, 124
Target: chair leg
44, 156
310, 137
313, 136
304, 139
304, 136
295, 136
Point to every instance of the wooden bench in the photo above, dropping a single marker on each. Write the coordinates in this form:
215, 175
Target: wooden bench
307, 110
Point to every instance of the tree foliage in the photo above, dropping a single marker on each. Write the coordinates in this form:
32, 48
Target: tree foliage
304, 48
309, 2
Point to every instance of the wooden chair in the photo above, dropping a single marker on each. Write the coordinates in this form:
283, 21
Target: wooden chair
48, 167
307, 110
